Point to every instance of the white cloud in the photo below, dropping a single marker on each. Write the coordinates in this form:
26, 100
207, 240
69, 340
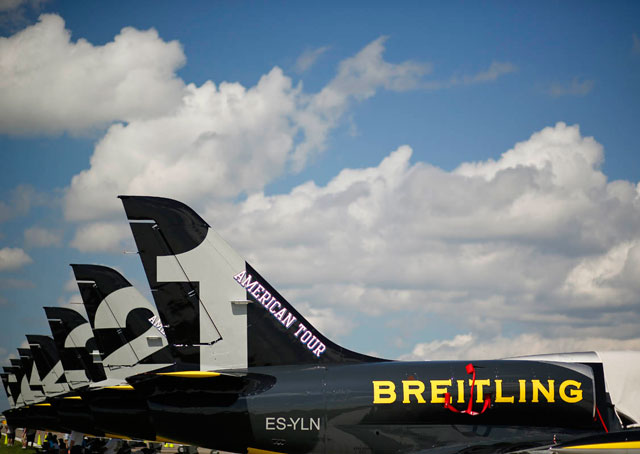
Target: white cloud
538, 237
610, 278
574, 88
74, 302
100, 237
308, 58
39, 237
50, 84
492, 73
224, 140
13, 259
16, 283
22, 198
359, 78
467, 346
326, 320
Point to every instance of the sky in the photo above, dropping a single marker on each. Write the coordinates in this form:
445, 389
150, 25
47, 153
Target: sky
422, 180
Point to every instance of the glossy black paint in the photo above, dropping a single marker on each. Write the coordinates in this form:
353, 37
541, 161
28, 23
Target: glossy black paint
62, 322
330, 409
271, 344
75, 414
45, 354
177, 302
324, 402
120, 411
96, 283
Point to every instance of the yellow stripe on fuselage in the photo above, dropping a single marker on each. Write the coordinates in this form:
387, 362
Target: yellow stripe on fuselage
261, 451
616, 445
167, 440
123, 387
190, 374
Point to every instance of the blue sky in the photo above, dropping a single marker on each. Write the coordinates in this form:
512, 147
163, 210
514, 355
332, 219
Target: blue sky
401, 246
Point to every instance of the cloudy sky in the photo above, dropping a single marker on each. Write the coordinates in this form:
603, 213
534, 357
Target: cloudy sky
424, 181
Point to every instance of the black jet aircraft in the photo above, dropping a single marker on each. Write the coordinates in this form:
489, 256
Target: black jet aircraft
269, 382
130, 342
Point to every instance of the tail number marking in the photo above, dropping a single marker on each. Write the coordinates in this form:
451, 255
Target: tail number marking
282, 423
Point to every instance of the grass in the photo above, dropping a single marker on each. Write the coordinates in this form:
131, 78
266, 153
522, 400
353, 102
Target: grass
15, 449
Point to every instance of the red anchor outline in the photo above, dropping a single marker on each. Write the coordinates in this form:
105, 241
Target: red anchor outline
487, 399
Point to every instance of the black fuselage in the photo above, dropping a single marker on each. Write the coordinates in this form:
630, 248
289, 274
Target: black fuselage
375, 407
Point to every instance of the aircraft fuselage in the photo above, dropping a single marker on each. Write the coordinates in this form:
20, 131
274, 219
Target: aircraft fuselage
378, 407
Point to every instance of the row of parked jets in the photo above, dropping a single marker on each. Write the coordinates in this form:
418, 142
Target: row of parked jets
224, 361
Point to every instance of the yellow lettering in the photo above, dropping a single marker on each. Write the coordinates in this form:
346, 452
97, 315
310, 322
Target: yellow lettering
523, 390
460, 391
500, 399
412, 388
384, 392
437, 393
479, 385
575, 395
546, 392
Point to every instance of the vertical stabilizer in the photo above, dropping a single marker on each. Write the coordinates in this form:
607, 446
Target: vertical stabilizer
15, 379
244, 321
76, 345
5, 384
31, 385
47, 361
126, 326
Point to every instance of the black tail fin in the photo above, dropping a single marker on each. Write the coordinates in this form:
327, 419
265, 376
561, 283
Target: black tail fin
15, 380
126, 326
244, 319
31, 385
75, 343
47, 361
5, 384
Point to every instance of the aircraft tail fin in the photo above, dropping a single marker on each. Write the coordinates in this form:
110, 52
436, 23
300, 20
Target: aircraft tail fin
16, 373
76, 344
47, 362
5, 384
237, 319
31, 383
126, 326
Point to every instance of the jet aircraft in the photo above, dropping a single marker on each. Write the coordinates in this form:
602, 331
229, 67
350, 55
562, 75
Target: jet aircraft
228, 363
271, 382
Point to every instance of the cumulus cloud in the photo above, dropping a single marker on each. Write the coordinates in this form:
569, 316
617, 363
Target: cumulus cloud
359, 78
466, 346
225, 140
100, 237
51, 84
13, 259
576, 87
538, 237
39, 237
